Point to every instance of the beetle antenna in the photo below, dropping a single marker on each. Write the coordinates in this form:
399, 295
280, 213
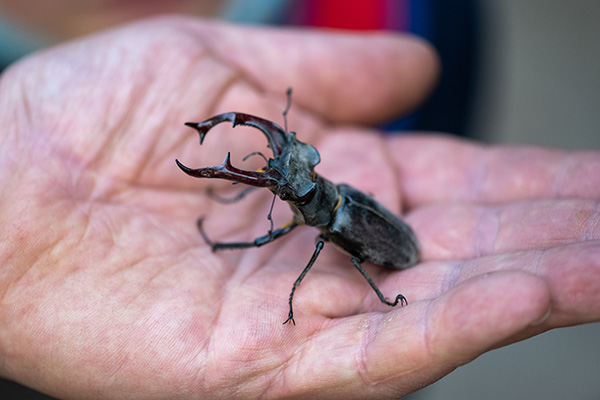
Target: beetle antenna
287, 107
256, 153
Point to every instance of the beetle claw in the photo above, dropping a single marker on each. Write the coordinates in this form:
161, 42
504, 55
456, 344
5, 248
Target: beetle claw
290, 318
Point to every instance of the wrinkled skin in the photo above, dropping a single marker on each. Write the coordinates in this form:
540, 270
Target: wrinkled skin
108, 291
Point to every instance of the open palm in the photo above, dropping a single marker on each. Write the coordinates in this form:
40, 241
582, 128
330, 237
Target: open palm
108, 290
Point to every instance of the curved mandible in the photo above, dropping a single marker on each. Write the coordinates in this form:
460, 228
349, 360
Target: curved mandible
276, 136
228, 172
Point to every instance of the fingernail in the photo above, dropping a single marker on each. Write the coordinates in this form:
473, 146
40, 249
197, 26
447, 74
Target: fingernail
543, 319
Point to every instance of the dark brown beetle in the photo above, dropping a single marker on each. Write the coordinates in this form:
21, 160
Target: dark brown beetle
345, 216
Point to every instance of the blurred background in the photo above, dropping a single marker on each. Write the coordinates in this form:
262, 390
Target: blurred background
514, 72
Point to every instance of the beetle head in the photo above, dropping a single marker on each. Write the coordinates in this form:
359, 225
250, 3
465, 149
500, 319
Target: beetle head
296, 166
289, 174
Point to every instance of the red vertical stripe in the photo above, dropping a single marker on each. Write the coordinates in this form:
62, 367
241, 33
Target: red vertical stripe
348, 14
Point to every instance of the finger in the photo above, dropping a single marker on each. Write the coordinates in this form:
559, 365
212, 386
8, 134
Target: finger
476, 315
463, 231
456, 232
396, 353
439, 168
342, 76
465, 322
572, 273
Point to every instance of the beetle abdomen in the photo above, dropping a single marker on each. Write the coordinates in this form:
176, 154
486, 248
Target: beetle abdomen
367, 230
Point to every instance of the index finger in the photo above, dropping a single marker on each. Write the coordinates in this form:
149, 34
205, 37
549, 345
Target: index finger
342, 76
433, 168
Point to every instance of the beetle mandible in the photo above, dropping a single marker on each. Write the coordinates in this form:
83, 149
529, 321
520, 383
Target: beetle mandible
350, 219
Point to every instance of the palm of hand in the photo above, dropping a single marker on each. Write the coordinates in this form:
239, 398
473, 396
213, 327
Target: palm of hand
121, 292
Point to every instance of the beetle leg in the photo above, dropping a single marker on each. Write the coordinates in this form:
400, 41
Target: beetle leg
259, 241
399, 298
304, 272
210, 192
270, 215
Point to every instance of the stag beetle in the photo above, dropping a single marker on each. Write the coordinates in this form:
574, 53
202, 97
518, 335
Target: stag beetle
345, 216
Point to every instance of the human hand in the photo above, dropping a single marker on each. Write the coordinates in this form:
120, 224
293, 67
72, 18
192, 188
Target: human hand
109, 291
